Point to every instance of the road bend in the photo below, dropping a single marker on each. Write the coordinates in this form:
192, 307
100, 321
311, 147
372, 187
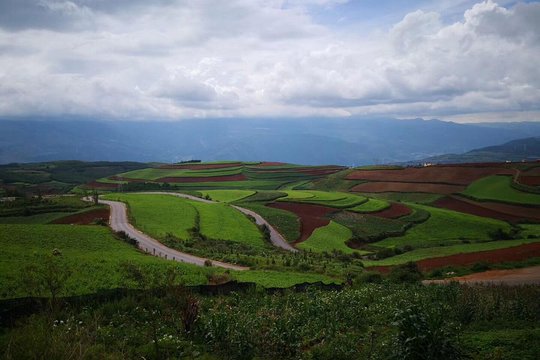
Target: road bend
119, 222
275, 237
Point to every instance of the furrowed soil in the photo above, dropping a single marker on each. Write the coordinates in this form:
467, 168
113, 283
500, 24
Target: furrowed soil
396, 210
84, 218
525, 212
529, 180
384, 186
455, 204
457, 175
311, 216
517, 253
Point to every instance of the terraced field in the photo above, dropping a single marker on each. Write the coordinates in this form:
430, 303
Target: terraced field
328, 238
498, 188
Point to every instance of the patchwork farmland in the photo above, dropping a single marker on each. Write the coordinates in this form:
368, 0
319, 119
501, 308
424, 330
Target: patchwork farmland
274, 226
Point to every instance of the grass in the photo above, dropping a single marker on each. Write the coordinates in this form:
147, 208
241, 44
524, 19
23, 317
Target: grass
414, 197
222, 222
372, 205
156, 173
366, 227
498, 188
336, 182
445, 227
92, 254
328, 238
285, 222
285, 279
264, 196
158, 215
326, 198
33, 219
439, 251
227, 196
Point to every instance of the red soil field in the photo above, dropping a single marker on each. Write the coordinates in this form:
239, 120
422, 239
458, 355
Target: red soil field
84, 218
195, 166
311, 216
382, 186
463, 175
395, 211
516, 253
529, 180
237, 177
525, 212
98, 185
455, 204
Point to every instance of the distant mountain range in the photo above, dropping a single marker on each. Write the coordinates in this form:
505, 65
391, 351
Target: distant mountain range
343, 141
515, 150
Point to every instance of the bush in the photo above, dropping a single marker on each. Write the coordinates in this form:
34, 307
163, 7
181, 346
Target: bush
408, 273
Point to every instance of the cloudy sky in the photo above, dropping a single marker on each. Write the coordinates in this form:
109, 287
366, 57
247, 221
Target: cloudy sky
176, 59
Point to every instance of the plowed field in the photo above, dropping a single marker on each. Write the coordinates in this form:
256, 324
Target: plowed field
311, 216
431, 174
383, 186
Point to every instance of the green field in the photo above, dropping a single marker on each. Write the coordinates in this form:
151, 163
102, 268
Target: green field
439, 251
498, 188
419, 198
372, 205
156, 173
328, 238
227, 196
90, 252
334, 199
283, 279
159, 215
445, 227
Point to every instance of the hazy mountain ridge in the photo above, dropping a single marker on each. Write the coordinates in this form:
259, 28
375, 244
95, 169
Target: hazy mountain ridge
345, 141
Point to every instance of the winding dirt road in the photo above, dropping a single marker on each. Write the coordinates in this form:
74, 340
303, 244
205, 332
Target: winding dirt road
119, 222
275, 237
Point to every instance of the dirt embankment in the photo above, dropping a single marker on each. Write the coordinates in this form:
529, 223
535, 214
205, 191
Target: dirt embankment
311, 216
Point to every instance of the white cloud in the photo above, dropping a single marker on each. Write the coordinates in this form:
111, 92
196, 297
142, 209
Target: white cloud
176, 59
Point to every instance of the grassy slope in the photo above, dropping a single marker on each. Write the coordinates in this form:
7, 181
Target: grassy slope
227, 195
91, 253
498, 188
440, 251
330, 198
220, 221
154, 173
281, 279
372, 205
420, 198
445, 227
330, 237
158, 215
285, 222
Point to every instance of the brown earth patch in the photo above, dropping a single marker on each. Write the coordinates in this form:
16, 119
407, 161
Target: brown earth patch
98, 185
311, 216
516, 253
384, 186
194, 166
237, 177
396, 210
457, 175
529, 180
525, 212
85, 218
470, 207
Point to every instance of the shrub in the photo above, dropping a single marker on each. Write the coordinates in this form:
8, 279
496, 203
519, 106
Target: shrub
408, 272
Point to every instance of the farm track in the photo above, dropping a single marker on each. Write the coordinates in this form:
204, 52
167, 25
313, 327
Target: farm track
119, 222
524, 276
122, 224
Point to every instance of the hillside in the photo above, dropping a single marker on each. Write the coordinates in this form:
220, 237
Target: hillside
526, 149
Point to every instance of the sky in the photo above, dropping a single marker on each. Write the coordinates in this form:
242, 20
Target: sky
458, 60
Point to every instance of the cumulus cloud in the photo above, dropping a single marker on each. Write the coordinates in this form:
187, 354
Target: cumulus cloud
178, 59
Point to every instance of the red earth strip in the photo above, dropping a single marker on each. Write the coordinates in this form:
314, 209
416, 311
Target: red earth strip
516, 253
311, 216
396, 210
84, 218
377, 187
